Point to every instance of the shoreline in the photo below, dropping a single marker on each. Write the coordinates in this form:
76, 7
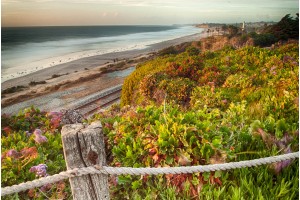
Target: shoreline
52, 61
92, 72
94, 61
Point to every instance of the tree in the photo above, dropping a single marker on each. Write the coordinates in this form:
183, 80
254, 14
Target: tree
286, 28
233, 30
224, 28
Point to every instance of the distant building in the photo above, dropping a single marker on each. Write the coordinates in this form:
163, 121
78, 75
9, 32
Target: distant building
243, 27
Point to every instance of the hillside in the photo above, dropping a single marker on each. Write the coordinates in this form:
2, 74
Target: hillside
211, 107
192, 108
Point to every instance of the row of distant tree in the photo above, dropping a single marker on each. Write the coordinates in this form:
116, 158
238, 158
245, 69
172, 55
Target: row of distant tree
263, 33
286, 28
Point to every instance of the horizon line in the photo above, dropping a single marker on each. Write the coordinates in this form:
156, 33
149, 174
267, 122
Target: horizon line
183, 24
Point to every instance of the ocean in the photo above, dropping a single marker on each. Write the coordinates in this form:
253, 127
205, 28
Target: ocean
28, 49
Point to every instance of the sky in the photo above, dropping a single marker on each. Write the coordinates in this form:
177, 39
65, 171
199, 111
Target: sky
141, 12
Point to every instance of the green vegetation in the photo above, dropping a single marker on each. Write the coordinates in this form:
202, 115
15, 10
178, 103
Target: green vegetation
263, 40
215, 107
192, 108
131, 84
33, 83
29, 140
174, 49
13, 89
287, 28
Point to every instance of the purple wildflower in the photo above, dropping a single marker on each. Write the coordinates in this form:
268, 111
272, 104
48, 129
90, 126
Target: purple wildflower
287, 58
281, 165
272, 70
283, 142
40, 139
28, 134
39, 170
46, 187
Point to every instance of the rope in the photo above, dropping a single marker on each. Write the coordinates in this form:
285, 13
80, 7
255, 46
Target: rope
143, 171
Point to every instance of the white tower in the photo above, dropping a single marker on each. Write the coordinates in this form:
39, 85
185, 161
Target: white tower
243, 27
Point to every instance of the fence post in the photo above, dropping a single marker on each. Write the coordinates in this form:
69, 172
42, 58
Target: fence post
83, 147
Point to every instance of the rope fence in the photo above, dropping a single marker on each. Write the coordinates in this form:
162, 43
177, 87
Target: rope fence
96, 169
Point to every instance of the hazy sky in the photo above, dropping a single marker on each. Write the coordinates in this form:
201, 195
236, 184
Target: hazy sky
127, 12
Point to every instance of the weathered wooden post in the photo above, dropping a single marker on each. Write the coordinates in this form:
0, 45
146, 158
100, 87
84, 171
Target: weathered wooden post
83, 147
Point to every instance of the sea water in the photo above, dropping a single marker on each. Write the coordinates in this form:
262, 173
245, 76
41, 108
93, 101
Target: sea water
28, 49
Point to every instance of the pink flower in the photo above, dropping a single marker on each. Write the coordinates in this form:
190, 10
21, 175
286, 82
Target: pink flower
55, 114
272, 70
40, 139
7, 129
55, 118
37, 132
13, 154
224, 101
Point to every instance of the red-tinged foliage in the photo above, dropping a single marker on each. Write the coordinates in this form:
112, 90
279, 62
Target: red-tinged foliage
7, 130
190, 68
29, 152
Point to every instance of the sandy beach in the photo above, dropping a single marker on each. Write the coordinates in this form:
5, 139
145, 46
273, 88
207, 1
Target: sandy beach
90, 74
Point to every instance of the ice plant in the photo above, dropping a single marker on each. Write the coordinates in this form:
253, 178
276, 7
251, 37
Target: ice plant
40, 170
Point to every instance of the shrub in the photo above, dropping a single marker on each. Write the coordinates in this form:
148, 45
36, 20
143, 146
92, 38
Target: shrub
192, 51
13, 89
264, 40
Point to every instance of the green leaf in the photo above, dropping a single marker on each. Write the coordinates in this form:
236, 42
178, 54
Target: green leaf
206, 176
124, 179
129, 154
136, 184
195, 181
217, 142
206, 151
218, 174
169, 160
